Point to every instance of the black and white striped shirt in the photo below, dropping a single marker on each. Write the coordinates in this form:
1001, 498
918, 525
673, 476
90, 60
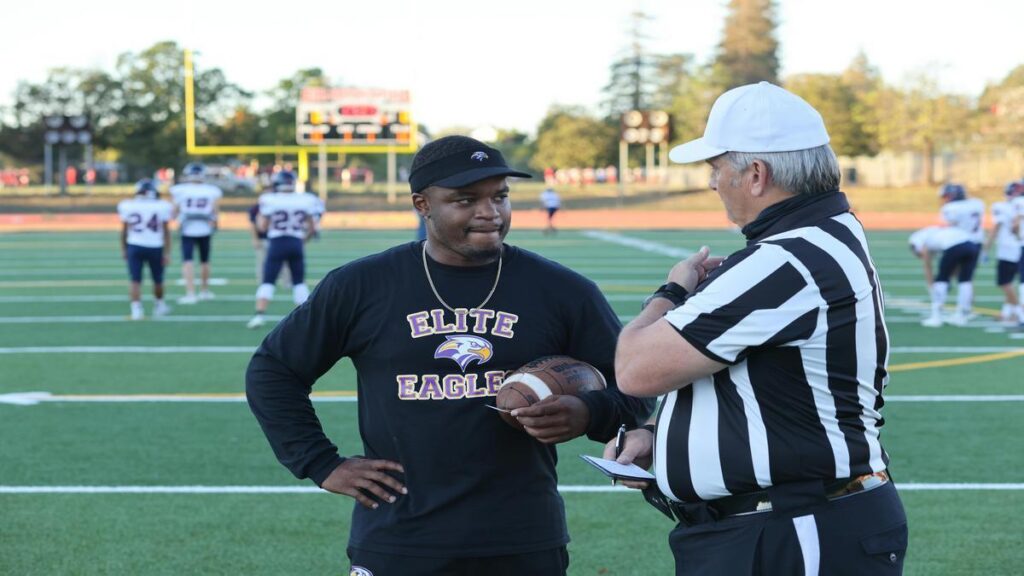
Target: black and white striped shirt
797, 316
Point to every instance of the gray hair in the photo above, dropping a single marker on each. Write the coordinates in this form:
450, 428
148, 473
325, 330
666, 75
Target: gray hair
810, 171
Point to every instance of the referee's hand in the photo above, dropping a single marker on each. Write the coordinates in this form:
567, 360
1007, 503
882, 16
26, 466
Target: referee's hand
638, 449
357, 477
692, 271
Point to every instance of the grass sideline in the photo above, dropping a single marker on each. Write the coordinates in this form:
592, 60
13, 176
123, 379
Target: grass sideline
48, 279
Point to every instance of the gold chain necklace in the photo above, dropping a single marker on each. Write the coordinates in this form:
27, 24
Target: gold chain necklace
438, 296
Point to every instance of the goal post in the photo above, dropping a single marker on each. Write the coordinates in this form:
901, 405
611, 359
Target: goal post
408, 144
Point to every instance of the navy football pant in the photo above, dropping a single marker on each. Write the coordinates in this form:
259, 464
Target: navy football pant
141, 255
963, 256
859, 534
1005, 272
189, 243
552, 562
284, 250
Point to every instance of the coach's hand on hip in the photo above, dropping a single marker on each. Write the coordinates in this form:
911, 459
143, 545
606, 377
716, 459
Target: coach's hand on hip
357, 477
557, 418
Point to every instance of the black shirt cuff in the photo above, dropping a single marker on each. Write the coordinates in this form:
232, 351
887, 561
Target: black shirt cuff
600, 409
322, 468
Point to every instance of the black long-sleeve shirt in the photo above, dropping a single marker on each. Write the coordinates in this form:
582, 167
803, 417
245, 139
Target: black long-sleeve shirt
477, 487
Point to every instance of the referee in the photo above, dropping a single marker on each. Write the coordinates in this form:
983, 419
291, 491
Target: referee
772, 364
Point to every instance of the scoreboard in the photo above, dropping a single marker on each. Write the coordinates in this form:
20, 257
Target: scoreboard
353, 116
646, 127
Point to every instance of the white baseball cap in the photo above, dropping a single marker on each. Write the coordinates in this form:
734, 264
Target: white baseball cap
756, 118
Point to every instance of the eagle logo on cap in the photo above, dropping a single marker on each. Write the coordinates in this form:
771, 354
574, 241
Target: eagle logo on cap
479, 156
464, 349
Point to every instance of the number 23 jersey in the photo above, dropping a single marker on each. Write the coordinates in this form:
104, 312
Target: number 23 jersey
287, 213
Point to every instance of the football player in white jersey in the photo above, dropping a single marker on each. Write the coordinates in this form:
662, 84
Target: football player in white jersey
1008, 253
962, 212
145, 239
1017, 204
958, 253
967, 214
196, 207
288, 218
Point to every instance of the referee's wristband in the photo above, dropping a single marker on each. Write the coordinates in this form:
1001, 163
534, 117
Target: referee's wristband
671, 291
648, 427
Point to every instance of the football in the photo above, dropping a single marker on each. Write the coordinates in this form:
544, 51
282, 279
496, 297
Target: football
543, 377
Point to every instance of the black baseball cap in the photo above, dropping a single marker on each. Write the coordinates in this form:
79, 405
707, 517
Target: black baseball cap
460, 162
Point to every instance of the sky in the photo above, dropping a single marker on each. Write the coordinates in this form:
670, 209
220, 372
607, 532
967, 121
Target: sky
484, 63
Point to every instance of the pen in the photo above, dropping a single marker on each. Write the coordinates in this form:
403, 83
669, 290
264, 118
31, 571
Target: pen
620, 443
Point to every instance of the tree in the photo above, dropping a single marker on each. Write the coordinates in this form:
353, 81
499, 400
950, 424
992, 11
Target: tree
633, 78
243, 126
515, 146
151, 127
65, 91
280, 117
748, 52
687, 93
569, 137
922, 118
1001, 110
837, 104
865, 83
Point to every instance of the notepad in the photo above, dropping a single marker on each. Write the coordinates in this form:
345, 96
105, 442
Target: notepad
613, 469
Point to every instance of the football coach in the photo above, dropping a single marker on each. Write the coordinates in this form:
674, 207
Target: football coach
772, 364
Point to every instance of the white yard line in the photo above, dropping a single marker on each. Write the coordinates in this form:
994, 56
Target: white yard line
129, 350
954, 349
569, 488
122, 318
958, 398
121, 298
639, 244
34, 398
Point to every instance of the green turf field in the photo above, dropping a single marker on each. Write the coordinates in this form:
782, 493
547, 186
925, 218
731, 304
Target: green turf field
64, 331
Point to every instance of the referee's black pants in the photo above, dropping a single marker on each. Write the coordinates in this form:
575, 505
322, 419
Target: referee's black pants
860, 534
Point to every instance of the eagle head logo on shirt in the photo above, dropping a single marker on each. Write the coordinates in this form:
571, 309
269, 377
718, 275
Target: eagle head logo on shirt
464, 349
479, 156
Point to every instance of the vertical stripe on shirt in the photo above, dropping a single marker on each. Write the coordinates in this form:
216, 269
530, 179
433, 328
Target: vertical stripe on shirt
756, 433
705, 464
675, 412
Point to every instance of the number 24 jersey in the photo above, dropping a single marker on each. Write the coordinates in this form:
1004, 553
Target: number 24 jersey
145, 219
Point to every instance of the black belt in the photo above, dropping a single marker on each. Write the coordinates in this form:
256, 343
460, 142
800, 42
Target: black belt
691, 513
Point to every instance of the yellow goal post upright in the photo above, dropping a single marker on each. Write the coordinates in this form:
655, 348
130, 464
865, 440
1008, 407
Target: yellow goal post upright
301, 151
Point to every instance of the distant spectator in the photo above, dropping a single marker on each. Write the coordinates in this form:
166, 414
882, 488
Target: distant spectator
551, 202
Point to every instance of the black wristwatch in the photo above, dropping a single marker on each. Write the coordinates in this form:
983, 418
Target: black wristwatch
672, 292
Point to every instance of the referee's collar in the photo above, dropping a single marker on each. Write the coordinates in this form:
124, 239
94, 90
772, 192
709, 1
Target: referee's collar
796, 212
